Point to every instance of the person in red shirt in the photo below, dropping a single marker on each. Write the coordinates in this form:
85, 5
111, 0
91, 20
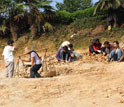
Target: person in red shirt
95, 48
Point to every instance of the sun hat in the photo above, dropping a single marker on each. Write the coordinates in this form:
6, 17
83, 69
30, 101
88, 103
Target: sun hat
27, 50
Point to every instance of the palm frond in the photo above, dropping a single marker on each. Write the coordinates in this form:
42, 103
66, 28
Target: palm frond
107, 4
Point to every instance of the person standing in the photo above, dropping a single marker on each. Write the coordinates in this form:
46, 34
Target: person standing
35, 62
9, 58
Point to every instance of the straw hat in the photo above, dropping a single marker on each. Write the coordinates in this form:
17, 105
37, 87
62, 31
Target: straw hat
27, 50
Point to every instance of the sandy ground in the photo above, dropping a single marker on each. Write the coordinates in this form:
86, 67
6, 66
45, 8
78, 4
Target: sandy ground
89, 84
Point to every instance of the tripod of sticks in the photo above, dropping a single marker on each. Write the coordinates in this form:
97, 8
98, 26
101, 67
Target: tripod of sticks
21, 69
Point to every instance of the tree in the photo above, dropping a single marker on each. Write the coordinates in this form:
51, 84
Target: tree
111, 7
37, 11
13, 10
73, 5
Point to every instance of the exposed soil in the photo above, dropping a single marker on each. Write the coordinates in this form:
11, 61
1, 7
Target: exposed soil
89, 82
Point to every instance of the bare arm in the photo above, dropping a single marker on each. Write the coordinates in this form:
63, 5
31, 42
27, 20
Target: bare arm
15, 48
32, 62
26, 60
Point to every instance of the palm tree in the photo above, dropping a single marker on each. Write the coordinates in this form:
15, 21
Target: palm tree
13, 10
111, 7
36, 17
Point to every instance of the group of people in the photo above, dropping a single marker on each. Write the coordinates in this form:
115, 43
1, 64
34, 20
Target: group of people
65, 53
112, 51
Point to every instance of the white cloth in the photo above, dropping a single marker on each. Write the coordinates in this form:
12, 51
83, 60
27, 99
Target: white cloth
72, 36
65, 43
8, 54
116, 51
37, 59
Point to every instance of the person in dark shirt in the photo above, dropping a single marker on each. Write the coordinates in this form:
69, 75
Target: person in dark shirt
107, 48
95, 48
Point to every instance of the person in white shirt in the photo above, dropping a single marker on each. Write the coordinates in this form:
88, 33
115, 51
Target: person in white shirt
9, 58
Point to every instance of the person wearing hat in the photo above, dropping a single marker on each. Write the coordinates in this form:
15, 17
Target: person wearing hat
63, 54
9, 58
95, 48
65, 43
35, 62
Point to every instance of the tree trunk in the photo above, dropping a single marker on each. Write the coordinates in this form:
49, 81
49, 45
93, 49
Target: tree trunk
112, 18
33, 30
13, 30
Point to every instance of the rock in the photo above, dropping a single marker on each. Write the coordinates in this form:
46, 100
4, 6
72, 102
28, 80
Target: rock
94, 102
106, 96
121, 101
120, 92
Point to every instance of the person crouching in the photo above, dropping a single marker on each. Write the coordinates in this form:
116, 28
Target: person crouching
107, 48
63, 54
35, 62
95, 48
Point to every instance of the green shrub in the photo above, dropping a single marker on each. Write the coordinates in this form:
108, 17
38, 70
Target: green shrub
82, 13
85, 16
89, 22
63, 17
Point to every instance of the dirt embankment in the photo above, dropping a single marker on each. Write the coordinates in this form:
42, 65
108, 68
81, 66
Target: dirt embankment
90, 83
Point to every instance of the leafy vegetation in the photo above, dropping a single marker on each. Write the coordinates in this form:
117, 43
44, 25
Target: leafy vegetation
74, 5
112, 8
35, 17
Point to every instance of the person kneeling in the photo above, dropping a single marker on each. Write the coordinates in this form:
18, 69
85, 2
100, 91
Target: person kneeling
117, 53
36, 62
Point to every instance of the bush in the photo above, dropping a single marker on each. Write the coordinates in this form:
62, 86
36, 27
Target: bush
82, 13
67, 17
81, 18
90, 22
63, 17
